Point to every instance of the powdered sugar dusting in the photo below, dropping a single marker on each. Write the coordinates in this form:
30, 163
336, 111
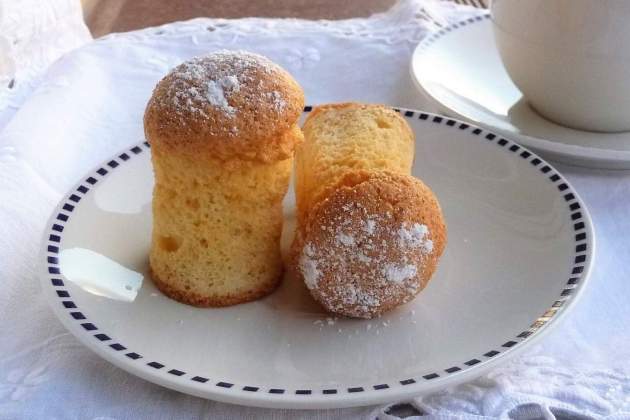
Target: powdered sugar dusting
366, 259
345, 239
216, 91
415, 237
278, 102
230, 82
208, 84
398, 274
309, 268
369, 227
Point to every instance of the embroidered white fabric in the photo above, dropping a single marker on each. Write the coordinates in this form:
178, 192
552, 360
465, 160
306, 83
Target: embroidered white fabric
33, 34
89, 104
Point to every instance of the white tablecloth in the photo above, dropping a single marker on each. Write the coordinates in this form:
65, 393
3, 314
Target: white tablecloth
89, 105
33, 34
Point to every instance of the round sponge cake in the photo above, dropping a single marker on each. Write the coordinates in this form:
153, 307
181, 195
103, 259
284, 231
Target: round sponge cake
372, 244
222, 130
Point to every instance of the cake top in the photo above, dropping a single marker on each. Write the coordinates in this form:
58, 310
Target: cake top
228, 103
370, 241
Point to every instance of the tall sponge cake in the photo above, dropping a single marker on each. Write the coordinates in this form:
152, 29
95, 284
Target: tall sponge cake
223, 130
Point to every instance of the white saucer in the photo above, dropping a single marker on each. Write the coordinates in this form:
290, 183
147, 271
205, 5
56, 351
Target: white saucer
459, 69
520, 248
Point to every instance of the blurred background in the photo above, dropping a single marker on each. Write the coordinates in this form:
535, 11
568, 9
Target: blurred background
35, 33
105, 16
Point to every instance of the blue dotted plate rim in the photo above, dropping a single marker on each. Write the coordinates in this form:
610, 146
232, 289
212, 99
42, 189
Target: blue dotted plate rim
76, 320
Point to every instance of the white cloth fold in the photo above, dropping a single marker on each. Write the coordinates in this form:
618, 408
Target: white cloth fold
33, 34
89, 105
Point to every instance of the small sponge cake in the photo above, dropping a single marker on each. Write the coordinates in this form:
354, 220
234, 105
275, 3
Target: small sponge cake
372, 244
347, 137
369, 234
223, 130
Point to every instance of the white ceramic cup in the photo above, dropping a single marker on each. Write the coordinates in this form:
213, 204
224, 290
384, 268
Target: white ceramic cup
570, 58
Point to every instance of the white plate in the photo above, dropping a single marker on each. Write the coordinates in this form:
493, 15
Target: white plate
459, 69
519, 251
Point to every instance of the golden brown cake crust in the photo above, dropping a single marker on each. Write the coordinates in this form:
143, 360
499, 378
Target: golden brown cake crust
345, 138
223, 129
371, 244
203, 301
226, 105
355, 106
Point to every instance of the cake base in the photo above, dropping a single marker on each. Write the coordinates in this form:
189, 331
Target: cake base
213, 301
